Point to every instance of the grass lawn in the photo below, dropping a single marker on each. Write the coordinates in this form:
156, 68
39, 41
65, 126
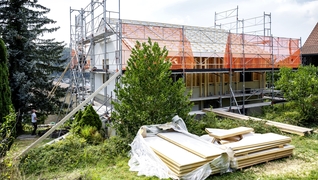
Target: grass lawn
302, 165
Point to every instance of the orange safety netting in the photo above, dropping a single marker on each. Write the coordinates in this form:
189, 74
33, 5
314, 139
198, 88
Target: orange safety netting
253, 51
180, 53
241, 50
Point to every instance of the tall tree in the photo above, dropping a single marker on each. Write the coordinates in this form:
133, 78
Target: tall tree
147, 94
7, 115
5, 93
32, 59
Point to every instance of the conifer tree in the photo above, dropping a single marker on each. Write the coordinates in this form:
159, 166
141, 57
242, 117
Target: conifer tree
7, 115
32, 59
147, 94
5, 93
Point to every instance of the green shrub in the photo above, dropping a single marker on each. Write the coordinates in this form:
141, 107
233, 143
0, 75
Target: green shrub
116, 146
7, 132
91, 118
197, 127
210, 120
71, 153
91, 134
293, 117
88, 117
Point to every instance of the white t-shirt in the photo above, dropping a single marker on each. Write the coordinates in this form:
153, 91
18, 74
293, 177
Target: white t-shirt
33, 117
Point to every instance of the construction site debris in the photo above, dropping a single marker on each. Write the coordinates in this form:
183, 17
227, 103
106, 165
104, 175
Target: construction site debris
169, 151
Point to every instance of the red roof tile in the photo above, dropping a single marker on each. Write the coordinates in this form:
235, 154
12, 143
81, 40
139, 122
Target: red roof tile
311, 44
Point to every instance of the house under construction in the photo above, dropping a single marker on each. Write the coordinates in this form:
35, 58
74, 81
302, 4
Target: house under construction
225, 66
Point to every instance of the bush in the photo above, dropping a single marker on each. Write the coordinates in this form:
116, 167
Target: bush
212, 121
91, 135
7, 132
89, 118
71, 153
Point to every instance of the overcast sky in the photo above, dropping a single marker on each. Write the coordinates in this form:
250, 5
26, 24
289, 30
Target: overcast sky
290, 18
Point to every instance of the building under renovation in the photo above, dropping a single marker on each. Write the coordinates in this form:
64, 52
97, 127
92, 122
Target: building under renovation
227, 65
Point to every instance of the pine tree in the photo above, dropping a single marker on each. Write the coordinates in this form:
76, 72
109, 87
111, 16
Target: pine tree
32, 59
147, 94
5, 93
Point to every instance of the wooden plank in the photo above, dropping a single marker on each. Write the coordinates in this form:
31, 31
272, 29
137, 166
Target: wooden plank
174, 156
270, 158
257, 149
263, 156
266, 152
282, 126
260, 159
258, 140
199, 147
177, 170
228, 140
173, 153
226, 133
69, 115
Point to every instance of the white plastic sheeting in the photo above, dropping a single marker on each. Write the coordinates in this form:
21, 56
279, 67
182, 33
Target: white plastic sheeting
146, 162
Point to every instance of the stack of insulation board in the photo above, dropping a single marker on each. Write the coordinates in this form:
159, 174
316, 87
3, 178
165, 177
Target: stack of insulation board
183, 153
223, 136
252, 148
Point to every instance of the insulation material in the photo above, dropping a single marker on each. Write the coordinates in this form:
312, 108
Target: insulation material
152, 155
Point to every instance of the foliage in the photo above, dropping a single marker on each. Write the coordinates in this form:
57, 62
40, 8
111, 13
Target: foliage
71, 153
7, 132
210, 120
91, 134
87, 124
286, 113
101, 162
197, 127
87, 117
271, 78
5, 93
146, 93
32, 59
91, 118
301, 87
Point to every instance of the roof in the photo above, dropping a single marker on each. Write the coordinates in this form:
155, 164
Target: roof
311, 44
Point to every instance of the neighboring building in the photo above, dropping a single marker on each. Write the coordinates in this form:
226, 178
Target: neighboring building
222, 69
310, 49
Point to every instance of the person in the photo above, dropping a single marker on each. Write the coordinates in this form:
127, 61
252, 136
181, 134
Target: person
34, 122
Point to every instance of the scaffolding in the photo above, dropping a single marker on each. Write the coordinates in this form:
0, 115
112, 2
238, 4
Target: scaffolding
90, 26
224, 65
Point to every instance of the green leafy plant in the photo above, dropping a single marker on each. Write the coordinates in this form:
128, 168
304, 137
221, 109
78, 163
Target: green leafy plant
91, 134
5, 92
7, 132
146, 93
210, 120
301, 88
87, 117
